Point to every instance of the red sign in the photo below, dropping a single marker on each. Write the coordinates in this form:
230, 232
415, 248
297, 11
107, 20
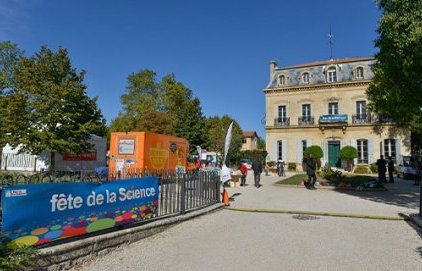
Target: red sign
85, 156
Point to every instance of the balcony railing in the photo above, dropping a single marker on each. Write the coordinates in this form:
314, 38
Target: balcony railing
282, 122
361, 118
305, 120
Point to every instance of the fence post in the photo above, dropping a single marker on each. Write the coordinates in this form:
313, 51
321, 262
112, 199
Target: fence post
217, 184
182, 192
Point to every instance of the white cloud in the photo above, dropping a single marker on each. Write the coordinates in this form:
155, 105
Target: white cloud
14, 15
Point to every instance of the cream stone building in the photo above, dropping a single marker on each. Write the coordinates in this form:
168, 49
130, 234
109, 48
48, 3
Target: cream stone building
324, 103
249, 141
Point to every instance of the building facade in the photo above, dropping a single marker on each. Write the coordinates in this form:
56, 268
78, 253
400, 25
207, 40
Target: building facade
324, 103
249, 141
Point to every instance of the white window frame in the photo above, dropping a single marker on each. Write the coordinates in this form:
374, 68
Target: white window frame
359, 73
333, 110
282, 80
305, 78
390, 148
332, 75
363, 156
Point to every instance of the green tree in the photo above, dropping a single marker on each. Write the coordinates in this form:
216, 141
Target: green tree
261, 144
9, 57
167, 100
148, 123
50, 106
396, 90
216, 135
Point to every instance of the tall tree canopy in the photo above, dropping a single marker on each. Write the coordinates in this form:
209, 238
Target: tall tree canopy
9, 57
396, 90
165, 107
48, 108
216, 136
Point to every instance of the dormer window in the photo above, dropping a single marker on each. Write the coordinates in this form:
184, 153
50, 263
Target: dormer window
281, 80
332, 75
359, 73
305, 77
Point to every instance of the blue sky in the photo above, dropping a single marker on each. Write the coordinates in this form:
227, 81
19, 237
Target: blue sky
218, 48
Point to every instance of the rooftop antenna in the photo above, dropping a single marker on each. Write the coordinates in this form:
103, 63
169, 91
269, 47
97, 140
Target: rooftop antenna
331, 43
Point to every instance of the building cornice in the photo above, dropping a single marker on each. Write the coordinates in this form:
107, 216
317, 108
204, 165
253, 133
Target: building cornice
316, 87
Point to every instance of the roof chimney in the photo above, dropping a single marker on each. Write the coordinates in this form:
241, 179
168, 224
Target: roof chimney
273, 66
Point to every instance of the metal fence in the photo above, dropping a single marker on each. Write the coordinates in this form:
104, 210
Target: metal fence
178, 192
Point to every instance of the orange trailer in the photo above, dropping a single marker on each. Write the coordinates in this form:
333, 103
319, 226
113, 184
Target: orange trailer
142, 151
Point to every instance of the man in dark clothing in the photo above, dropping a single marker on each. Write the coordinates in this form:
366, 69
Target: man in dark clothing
257, 170
390, 167
310, 171
381, 164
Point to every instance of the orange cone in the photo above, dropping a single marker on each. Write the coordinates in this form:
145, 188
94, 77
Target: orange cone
226, 199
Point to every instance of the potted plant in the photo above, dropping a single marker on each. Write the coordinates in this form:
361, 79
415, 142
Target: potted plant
347, 154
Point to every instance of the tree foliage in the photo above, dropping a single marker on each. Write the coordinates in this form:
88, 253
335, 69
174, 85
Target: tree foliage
396, 90
315, 150
48, 108
9, 57
216, 135
348, 152
165, 107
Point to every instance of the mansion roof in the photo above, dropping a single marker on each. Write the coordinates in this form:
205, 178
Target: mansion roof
321, 72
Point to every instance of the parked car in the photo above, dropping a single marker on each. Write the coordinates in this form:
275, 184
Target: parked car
406, 167
247, 162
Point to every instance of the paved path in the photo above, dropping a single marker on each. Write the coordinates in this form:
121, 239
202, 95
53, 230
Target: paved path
230, 240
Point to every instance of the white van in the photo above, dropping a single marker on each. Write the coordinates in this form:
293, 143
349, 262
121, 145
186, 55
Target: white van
406, 167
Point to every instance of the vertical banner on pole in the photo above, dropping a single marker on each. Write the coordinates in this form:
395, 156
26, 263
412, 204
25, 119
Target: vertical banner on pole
227, 142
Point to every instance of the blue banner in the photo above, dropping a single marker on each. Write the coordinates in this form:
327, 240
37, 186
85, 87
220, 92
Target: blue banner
35, 214
336, 118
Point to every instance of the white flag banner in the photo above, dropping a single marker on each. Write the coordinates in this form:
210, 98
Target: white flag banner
227, 142
198, 148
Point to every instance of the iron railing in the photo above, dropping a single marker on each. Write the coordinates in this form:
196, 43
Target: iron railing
361, 118
281, 122
179, 192
305, 120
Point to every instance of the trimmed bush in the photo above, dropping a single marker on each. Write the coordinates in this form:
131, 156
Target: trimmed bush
362, 169
373, 167
315, 150
348, 152
291, 166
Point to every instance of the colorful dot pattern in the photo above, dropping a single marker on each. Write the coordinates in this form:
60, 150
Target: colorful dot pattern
76, 226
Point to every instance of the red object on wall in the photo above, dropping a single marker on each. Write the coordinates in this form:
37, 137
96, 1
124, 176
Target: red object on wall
85, 156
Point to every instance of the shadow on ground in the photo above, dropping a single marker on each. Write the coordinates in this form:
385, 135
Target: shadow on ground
402, 193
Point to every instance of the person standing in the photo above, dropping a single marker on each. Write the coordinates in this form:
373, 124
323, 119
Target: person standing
390, 167
280, 168
257, 170
381, 165
310, 171
244, 170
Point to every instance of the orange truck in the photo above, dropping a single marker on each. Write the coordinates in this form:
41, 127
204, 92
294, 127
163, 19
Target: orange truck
134, 152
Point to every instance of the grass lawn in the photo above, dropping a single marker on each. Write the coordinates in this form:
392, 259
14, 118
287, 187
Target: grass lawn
293, 180
353, 180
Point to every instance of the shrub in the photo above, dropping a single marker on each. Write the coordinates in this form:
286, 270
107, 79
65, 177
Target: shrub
327, 173
291, 166
361, 169
348, 152
315, 150
16, 259
373, 167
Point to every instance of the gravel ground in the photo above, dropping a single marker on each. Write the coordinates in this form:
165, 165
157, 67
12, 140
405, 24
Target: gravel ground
230, 240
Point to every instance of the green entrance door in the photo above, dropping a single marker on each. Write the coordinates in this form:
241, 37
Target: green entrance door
334, 153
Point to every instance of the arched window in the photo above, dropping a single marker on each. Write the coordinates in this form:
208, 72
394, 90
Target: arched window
359, 73
332, 75
305, 77
281, 80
